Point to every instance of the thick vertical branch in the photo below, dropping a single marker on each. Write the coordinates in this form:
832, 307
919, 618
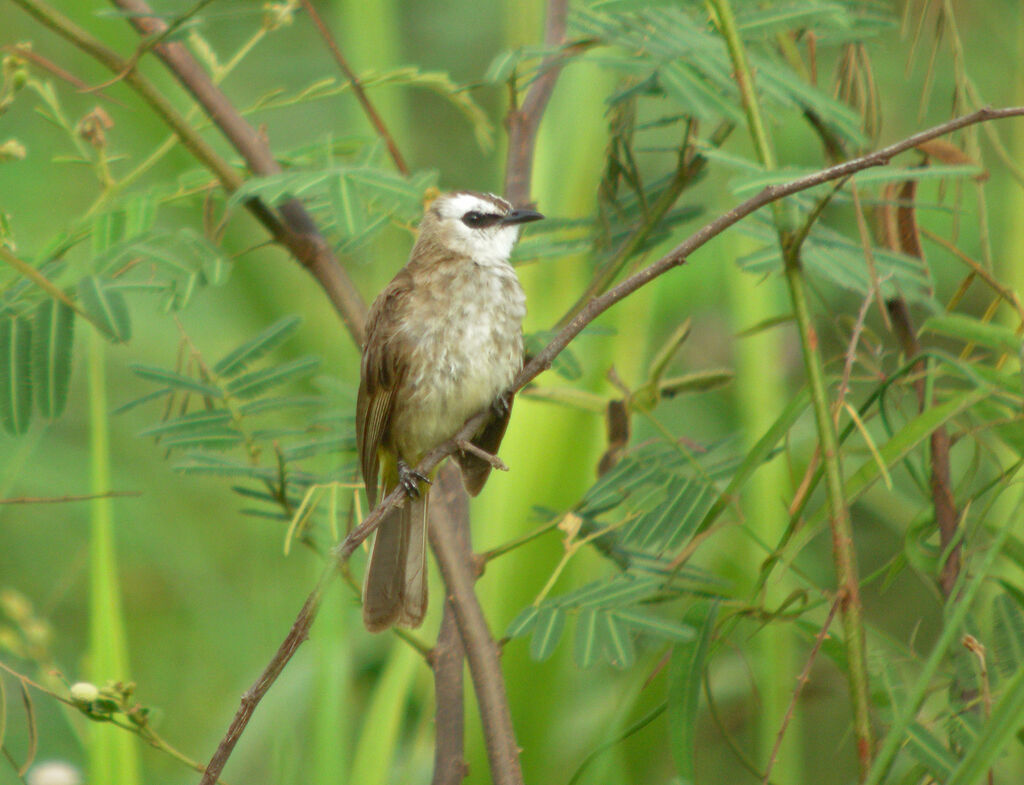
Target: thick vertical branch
523, 122
449, 511
482, 651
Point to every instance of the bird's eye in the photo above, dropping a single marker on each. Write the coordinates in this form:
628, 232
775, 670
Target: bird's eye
477, 220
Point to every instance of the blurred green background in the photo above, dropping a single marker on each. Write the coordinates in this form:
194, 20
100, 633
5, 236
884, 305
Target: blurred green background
207, 591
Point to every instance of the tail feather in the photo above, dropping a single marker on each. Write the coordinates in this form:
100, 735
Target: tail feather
395, 590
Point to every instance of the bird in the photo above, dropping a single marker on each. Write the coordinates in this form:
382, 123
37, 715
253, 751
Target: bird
444, 341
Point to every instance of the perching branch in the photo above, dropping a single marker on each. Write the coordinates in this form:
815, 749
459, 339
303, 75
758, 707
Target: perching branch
599, 305
674, 258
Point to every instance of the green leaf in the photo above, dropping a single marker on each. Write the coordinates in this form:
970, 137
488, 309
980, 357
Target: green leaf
196, 422
908, 437
565, 364
586, 649
326, 446
657, 626
15, 374
256, 382
53, 334
621, 590
616, 641
686, 671
546, 631
755, 457
106, 307
212, 439
258, 346
263, 405
1007, 635
523, 623
971, 330
175, 380
930, 752
1006, 719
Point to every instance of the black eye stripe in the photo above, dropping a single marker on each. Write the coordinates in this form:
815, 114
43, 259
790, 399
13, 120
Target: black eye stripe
477, 220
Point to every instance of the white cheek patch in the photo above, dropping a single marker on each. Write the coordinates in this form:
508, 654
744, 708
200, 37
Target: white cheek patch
490, 246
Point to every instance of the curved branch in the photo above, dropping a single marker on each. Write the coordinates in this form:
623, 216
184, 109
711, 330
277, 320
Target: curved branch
674, 258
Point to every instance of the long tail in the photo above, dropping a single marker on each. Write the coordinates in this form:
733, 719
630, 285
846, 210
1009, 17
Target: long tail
395, 591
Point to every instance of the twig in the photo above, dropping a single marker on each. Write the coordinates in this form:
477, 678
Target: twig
523, 122
943, 501
357, 89
801, 682
72, 498
450, 511
298, 633
493, 460
22, 50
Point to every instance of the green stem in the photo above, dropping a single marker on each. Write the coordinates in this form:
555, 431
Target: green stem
112, 757
842, 534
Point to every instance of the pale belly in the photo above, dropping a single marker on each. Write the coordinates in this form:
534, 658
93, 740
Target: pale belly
469, 354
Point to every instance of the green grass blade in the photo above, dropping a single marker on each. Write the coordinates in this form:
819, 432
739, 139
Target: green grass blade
382, 722
908, 437
1007, 718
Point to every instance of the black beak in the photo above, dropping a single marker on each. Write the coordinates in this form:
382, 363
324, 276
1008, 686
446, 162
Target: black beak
521, 217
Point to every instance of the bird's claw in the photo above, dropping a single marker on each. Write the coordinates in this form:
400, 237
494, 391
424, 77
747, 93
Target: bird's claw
501, 405
410, 480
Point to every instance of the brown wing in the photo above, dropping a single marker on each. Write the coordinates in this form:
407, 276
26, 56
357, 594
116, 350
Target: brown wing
381, 373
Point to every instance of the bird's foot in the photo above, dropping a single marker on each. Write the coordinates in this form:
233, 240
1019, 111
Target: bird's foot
410, 480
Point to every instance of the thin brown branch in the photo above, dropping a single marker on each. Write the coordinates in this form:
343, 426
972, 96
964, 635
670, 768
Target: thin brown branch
70, 498
296, 636
357, 88
801, 682
523, 122
674, 258
450, 512
24, 51
298, 232
943, 503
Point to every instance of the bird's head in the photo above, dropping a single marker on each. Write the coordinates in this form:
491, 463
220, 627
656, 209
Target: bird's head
483, 227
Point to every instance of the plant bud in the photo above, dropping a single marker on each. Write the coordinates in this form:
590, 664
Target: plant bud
84, 693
